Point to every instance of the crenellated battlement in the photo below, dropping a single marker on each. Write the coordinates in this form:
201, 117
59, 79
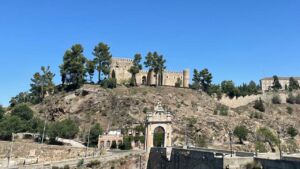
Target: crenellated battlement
122, 59
173, 72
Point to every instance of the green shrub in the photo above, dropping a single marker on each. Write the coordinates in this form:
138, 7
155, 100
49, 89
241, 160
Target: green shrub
109, 83
2, 112
259, 105
201, 141
94, 163
292, 132
241, 132
291, 99
65, 129
80, 163
11, 124
266, 135
221, 110
289, 110
145, 110
96, 130
23, 111
276, 99
191, 121
260, 146
256, 115
126, 145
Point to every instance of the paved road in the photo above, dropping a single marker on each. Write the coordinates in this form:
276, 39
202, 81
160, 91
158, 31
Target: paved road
113, 155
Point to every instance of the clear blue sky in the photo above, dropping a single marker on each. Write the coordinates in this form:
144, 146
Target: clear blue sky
240, 40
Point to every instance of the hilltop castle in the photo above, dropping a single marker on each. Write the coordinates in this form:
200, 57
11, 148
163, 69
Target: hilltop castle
169, 78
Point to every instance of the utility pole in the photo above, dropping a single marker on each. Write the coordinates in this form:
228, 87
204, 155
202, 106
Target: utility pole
230, 135
10, 151
88, 143
279, 145
44, 129
186, 139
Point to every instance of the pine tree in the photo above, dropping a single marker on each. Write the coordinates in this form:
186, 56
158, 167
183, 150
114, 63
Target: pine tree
135, 69
276, 84
156, 63
90, 68
102, 59
196, 80
42, 83
205, 79
293, 84
73, 68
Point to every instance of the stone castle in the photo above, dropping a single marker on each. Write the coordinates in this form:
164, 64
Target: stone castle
169, 78
267, 83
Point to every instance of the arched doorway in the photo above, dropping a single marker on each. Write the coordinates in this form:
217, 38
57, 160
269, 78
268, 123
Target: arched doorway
159, 137
144, 80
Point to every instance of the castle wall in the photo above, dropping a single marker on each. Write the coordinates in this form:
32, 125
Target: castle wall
122, 65
170, 78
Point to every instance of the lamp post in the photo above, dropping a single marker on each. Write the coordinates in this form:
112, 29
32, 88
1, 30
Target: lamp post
279, 145
230, 138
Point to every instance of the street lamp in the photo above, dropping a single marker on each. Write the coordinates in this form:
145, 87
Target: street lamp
279, 145
230, 138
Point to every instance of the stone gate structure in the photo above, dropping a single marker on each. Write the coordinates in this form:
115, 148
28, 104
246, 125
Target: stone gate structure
158, 119
169, 78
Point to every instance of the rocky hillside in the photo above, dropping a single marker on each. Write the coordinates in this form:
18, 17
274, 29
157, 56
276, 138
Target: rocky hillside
193, 110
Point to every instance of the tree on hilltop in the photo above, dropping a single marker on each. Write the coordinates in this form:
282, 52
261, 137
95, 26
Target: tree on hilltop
205, 79
90, 69
73, 68
2, 112
102, 59
135, 69
156, 63
42, 83
293, 84
276, 84
196, 80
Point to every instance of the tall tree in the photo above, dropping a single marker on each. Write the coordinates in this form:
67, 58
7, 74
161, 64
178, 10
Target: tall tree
2, 112
276, 84
42, 83
252, 87
205, 79
156, 63
228, 87
90, 68
196, 80
73, 70
293, 84
102, 59
135, 69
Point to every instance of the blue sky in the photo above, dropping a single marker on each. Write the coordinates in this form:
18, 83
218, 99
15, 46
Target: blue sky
240, 40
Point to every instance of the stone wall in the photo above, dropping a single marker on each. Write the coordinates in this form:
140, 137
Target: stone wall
183, 159
242, 101
278, 164
34, 152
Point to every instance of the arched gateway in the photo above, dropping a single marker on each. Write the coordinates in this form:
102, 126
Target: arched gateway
158, 128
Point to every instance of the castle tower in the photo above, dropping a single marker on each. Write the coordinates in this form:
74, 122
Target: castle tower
186, 78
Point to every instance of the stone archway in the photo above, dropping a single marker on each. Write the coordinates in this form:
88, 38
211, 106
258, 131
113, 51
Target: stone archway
158, 120
159, 137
